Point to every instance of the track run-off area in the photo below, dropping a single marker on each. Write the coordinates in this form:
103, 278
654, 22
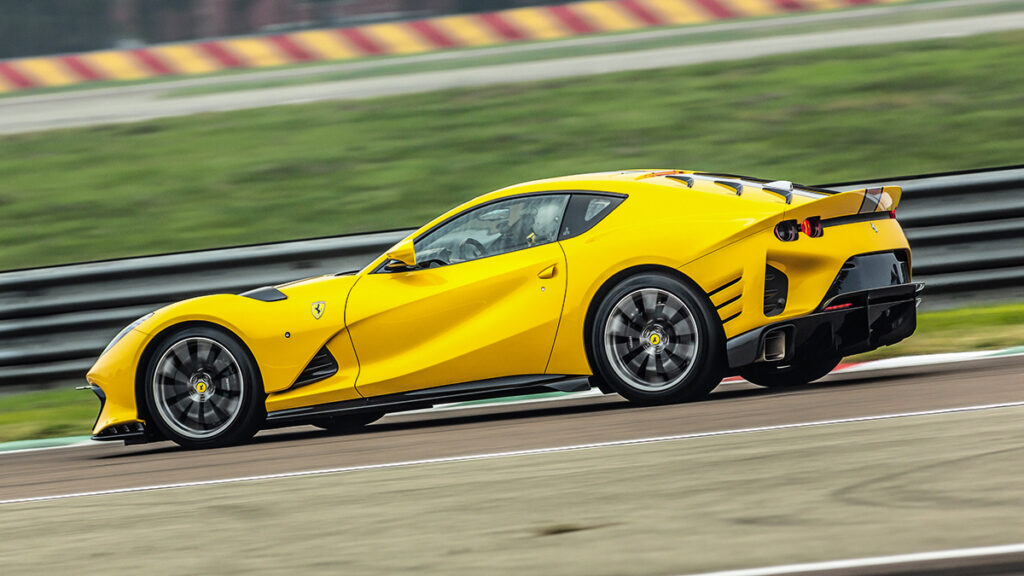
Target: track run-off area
859, 464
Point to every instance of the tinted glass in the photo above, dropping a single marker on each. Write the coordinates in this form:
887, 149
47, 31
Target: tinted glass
496, 228
586, 210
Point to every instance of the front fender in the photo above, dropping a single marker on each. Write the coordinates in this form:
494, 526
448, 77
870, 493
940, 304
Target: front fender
283, 336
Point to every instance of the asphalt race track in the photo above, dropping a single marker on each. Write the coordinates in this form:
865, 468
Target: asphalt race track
505, 428
873, 465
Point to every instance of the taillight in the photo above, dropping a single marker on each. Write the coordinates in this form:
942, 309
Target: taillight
787, 230
812, 227
839, 306
892, 214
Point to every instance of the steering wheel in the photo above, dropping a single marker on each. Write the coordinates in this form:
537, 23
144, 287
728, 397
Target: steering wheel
471, 249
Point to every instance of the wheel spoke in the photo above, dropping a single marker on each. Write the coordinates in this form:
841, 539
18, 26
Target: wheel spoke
218, 411
641, 309
628, 357
212, 355
659, 303
641, 370
177, 398
659, 367
633, 322
226, 372
650, 300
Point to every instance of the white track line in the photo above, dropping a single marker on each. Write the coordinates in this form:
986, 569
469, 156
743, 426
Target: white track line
493, 455
875, 561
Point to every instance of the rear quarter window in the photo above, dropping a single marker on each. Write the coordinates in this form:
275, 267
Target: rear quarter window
585, 211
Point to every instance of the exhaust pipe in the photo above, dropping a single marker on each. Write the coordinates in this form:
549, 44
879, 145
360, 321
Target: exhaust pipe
774, 345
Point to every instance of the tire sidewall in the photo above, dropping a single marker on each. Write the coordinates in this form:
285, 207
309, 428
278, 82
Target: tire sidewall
252, 409
706, 371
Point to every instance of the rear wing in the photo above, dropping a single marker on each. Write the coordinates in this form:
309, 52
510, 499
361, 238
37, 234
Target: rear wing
866, 202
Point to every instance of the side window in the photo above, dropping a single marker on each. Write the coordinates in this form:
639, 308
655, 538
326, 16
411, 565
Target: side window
586, 210
492, 229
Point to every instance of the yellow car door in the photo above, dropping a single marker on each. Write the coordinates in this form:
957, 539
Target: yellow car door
483, 300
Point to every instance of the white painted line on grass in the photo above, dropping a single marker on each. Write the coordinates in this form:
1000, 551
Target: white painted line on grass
529, 452
871, 562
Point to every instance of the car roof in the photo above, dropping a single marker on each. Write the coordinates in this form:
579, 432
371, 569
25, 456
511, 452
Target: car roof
658, 180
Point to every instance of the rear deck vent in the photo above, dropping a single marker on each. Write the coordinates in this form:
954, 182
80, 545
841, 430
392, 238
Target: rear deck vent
736, 187
321, 367
684, 178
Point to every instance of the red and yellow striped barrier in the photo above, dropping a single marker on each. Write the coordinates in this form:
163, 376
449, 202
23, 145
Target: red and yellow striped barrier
464, 30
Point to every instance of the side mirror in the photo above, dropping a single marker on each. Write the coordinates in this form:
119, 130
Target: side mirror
401, 254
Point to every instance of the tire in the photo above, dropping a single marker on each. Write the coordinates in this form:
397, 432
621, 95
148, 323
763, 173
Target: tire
349, 423
798, 373
203, 389
655, 339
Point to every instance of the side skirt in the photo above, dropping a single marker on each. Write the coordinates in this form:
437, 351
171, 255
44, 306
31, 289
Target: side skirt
418, 399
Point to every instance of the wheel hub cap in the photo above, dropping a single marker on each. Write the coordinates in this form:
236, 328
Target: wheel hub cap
201, 385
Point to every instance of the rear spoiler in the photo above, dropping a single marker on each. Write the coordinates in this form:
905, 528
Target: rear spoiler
864, 202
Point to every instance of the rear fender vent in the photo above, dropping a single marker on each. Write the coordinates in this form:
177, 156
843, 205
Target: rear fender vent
725, 295
321, 367
776, 290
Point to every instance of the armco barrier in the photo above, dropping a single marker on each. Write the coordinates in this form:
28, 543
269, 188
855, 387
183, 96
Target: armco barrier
967, 232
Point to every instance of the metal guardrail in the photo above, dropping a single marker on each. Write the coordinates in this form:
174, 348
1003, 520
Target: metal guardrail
966, 230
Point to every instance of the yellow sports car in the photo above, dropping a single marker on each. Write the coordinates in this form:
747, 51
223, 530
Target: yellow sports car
654, 284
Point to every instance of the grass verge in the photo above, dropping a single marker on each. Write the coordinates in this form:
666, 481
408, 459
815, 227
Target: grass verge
66, 412
962, 329
290, 172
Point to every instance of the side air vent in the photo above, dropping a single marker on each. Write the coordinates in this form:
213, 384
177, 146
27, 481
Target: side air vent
321, 367
776, 289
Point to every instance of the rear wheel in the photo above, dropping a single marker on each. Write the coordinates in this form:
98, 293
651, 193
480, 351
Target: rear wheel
203, 389
797, 373
655, 340
350, 423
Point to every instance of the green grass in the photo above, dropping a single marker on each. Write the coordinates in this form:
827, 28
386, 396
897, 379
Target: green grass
984, 328
47, 414
67, 412
332, 168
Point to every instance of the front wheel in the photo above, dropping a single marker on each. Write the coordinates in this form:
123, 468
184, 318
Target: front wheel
656, 340
797, 373
203, 389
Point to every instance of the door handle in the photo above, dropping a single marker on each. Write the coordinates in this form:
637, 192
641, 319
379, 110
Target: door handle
548, 272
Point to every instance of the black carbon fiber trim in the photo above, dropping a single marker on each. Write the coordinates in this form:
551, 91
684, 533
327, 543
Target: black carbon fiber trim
321, 367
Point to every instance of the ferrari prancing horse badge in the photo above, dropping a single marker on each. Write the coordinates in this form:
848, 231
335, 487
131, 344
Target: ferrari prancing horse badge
318, 309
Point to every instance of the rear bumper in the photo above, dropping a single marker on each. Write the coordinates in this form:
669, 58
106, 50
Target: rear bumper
868, 319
